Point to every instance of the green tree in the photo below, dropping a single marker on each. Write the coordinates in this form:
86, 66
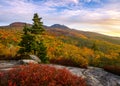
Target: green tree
42, 52
27, 42
32, 39
38, 30
37, 27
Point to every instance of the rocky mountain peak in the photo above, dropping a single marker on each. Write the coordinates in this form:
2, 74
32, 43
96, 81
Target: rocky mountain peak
59, 26
18, 24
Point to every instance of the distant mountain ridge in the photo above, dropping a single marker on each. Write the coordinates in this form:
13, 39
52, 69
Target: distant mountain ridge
18, 24
59, 26
64, 30
22, 24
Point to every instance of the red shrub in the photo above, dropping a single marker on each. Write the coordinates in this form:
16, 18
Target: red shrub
40, 75
67, 62
113, 69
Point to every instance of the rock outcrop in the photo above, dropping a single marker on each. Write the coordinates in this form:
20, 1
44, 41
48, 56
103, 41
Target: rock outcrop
26, 61
7, 65
94, 76
35, 58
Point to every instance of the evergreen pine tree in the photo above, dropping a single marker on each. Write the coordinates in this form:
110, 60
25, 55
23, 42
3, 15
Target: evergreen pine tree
42, 53
38, 30
32, 39
27, 42
37, 27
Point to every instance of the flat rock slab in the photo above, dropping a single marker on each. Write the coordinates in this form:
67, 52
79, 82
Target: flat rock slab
7, 64
26, 61
35, 58
94, 76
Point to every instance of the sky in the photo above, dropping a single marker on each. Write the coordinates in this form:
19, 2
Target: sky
102, 16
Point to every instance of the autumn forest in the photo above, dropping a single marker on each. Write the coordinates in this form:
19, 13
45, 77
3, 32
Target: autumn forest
64, 43
64, 46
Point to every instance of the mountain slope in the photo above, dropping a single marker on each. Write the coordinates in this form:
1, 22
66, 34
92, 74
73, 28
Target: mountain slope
18, 24
64, 30
91, 35
81, 47
59, 26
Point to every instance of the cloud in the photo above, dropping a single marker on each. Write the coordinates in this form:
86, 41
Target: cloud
16, 10
22, 9
76, 1
73, 13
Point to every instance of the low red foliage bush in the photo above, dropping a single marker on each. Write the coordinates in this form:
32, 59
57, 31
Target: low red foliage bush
40, 75
113, 69
67, 62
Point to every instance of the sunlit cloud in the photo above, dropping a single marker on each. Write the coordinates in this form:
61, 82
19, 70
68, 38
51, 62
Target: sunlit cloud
101, 16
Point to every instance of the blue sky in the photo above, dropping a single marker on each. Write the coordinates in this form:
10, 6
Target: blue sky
102, 16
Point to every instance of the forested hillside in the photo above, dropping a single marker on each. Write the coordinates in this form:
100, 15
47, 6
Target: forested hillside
66, 45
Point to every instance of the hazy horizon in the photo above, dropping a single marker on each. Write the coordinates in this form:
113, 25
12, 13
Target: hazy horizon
101, 16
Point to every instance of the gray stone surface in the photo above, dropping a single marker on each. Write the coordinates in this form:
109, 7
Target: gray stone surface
94, 76
7, 65
35, 58
27, 61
